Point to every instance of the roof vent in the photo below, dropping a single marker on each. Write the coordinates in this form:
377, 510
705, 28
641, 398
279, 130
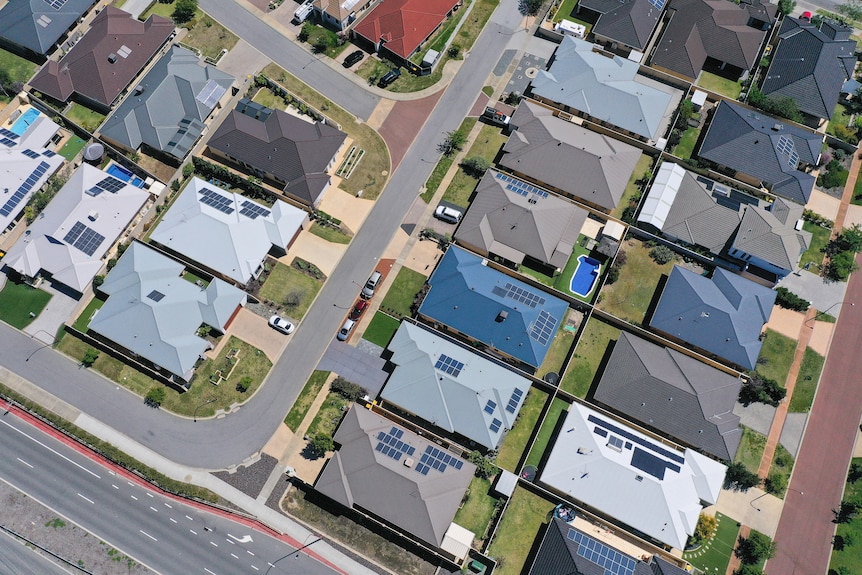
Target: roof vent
93, 215
408, 462
112, 58
777, 127
501, 317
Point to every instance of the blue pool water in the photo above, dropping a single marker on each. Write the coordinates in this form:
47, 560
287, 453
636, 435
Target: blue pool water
122, 173
21, 124
585, 276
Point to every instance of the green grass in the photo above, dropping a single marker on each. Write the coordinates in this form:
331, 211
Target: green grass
330, 234
848, 558
488, 90
776, 355
306, 398
544, 437
719, 85
71, 148
563, 282
470, 29
476, 513
159, 9
840, 117
686, 144
521, 522
750, 450
566, 9
328, 37
714, 555
266, 97
632, 191
819, 238
556, 356
399, 297
381, 329
193, 278
442, 168
18, 301
516, 440
88, 313
329, 415
209, 36
284, 280
487, 144
782, 465
373, 69
588, 355
84, 117
806, 381
18, 69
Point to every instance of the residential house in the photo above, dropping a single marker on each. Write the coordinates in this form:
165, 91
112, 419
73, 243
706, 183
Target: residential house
508, 316
626, 475
672, 393
579, 163
606, 88
35, 27
102, 64
714, 35
723, 315
166, 112
762, 150
452, 387
519, 222
153, 314
294, 155
626, 25
68, 240
339, 14
398, 478
810, 64
772, 239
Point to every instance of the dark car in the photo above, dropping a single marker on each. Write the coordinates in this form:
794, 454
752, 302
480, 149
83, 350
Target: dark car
358, 309
353, 58
389, 77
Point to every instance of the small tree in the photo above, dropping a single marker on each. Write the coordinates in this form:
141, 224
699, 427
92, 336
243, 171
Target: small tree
845, 512
855, 473
184, 11
755, 548
155, 396
840, 266
748, 570
776, 483
739, 478
98, 280
453, 142
852, 9
789, 300
785, 7
454, 51
320, 444
90, 357
305, 32
531, 7
188, 170
661, 254
485, 467
706, 524
347, 389
244, 384
475, 166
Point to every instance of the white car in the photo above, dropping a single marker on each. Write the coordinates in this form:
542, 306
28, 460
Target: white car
281, 324
345, 330
447, 214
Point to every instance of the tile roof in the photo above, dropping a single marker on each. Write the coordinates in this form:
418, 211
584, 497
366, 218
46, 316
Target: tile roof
630, 22
404, 24
37, 24
772, 235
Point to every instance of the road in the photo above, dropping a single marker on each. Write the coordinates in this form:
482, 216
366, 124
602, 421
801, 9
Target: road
17, 558
162, 533
217, 444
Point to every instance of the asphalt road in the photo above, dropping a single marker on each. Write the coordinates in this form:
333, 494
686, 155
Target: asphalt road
18, 559
217, 444
164, 534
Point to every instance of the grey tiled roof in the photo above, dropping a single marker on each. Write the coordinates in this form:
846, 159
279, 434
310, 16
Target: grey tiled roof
36, 25
629, 22
772, 235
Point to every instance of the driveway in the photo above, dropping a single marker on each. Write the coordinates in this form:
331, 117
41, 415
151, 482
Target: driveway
55, 314
356, 365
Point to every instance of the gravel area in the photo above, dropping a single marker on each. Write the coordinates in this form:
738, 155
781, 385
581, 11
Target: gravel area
38, 524
250, 480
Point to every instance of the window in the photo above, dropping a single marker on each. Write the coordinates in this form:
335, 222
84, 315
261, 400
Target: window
615, 442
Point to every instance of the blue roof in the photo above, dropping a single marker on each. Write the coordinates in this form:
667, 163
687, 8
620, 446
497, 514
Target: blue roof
469, 297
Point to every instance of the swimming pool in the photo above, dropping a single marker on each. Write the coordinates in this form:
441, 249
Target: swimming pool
21, 124
122, 173
585, 276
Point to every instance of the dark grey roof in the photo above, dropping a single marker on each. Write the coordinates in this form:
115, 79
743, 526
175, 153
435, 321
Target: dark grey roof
749, 141
673, 393
711, 28
772, 235
811, 66
37, 25
723, 315
629, 22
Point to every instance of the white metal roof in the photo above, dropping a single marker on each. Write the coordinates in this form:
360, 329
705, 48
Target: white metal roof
661, 195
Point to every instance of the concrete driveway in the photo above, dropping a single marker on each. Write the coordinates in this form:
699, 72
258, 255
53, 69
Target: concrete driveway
55, 314
254, 330
355, 365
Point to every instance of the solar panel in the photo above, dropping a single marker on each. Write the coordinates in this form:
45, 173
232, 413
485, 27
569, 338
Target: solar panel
522, 295
390, 444
649, 463
785, 146
7, 142
28, 184
30, 153
613, 562
216, 200
635, 439
156, 295
84, 238
657, 4
94, 191
449, 365
600, 432
253, 210
490, 407
111, 184
55, 4
438, 460
210, 94
615, 442
8, 134
495, 425
48, 154
543, 329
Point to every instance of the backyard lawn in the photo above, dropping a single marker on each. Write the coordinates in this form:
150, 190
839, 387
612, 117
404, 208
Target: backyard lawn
567, 11
400, 296
444, 163
806, 381
516, 440
632, 191
714, 555
560, 346
686, 144
20, 304
286, 283
381, 329
776, 355
209, 36
848, 558
84, 117
486, 145
588, 355
750, 450
558, 406
306, 398
71, 148
476, 513
719, 85
521, 522
819, 238
840, 117
17, 68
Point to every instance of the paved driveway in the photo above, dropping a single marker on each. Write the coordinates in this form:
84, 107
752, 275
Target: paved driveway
355, 365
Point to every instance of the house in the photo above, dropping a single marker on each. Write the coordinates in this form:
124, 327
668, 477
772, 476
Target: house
74, 232
772, 239
225, 233
451, 387
626, 23
723, 315
810, 64
566, 549
36, 26
339, 14
397, 477
397, 28
579, 163
153, 314
626, 475
519, 222
294, 155
167, 111
102, 64
606, 88
716, 35
507, 315
672, 393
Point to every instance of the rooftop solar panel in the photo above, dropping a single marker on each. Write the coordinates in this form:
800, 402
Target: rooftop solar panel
30, 154
111, 184
8, 134
449, 365
639, 440
543, 328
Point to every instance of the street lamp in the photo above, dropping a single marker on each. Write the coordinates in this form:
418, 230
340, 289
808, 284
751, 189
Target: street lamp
295, 553
819, 313
195, 414
755, 499
41, 347
796, 490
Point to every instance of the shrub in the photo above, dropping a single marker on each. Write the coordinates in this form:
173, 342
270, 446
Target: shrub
244, 384
454, 51
475, 166
755, 548
90, 357
661, 254
739, 478
188, 170
789, 300
835, 176
155, 396
485, 467
184, 11
347, 389
761, 389
320, 444
776, 483
98, 280
706, 524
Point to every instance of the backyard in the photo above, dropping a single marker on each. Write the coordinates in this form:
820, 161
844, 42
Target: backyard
486, 145
381, 329
686, 144
516, 440
585, 362
562, 282
14, 68
819, 238
71, 148
558, 407
750, 450
776, 355
292, 288
521, 522
567, 11
20, 303
846, 560
306, 397
633, 191
714, 555
399, 297
444, 163
806, 381
557, 352
475, 514
719, 85
84, 117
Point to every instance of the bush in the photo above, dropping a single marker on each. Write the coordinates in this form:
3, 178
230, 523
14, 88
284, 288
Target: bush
784, 107
155, 396
475, 166
244, 384
661, 254
835, 176
184, 11
739, 478
90, 357
789, 300
188, 170
98, 280
706, 524
454, 51
755, 548
320, 444
347, 389
761, 389
485, 467
776, 483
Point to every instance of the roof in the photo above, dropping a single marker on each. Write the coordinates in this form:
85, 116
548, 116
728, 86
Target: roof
293, 150
403, 24
810, 65
224, 231
654, 488
763, 147
719, 29
723, 315
77, 228
168, 114
629, 22
109, 56
673, 393
513, 218
549, 149
155, 313
37, 24
489, 306
369, 473
452, 387
771, 235
608, 88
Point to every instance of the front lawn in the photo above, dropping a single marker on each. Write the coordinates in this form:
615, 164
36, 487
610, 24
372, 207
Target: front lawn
399, 298
321, 37
713, 556
750, 450
486, 145
849, 533
516, 440
719, 85
292, 288
819, 238
17, 68
329, 415
776, 355
633, 191
85, 117
209, 36
20, 304
806, 381
584, 365
475, 514
444, 163
779, 471
556, 356
558, 407
306, 398
330, 234
381, 329
472, 26
372, 69
521, 522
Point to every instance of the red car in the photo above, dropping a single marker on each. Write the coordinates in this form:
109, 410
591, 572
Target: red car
358, 309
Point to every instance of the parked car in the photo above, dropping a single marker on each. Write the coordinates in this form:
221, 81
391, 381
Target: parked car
281, 324
496, 117
358, 309
447, 214
353, 58
371, 285
345, 330
389, 77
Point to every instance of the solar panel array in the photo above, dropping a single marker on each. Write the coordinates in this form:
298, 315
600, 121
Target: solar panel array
216, 200
156, 295
55, 4
210, 94
514, 400
48, 153
253, 210
22, 191
650, 464
111, 184
84, 238
449, 365
785, 146
522, 295
543, 329
391, 445
613, 562
30, 154
438, 459
490, 407
495, 425
521, 188
657, 4
635, 439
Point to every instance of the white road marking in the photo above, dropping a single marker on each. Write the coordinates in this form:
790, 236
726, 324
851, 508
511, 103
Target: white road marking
189, 518
114, 486
255, 568
133, 497
229, 541
172, 519
249, 552
154, 509
208, 571
49, 449
213, 543
148, 535
130, 483
86, 499
168, 506
148, 493
24, 462
193, 532
234, 556
243, 539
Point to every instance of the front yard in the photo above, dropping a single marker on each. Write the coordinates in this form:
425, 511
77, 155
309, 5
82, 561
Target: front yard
819, 238
806, 381
522, 520
292, 288
399, 297
381, 329
443, 164
20, 304
517, 439
306, 397
776, 355
750, 450
584, 365
209, 36
486, 145
714, 555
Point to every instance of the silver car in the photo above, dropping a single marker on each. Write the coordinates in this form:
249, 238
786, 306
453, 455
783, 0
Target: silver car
345, 330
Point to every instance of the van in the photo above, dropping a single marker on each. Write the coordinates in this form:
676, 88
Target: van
371, 285
447, 214
303, 12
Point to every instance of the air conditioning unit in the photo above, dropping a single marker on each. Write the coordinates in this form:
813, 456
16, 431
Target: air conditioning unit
408, 462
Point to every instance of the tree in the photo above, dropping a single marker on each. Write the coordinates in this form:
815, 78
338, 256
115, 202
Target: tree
739, 478
706, 524
475, 166
776, 483
761, 389
485, 467
531, 7
347, 389
845, 512
842, 542
785, 7
850, 239
789, 300
155, 396
453, 142
840, 266
661, 254
748, 570
779, 106
184, 11
244, 384
855, 472
90, 357
98, 280
852, 9
320, 444
188, 170
755, 548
